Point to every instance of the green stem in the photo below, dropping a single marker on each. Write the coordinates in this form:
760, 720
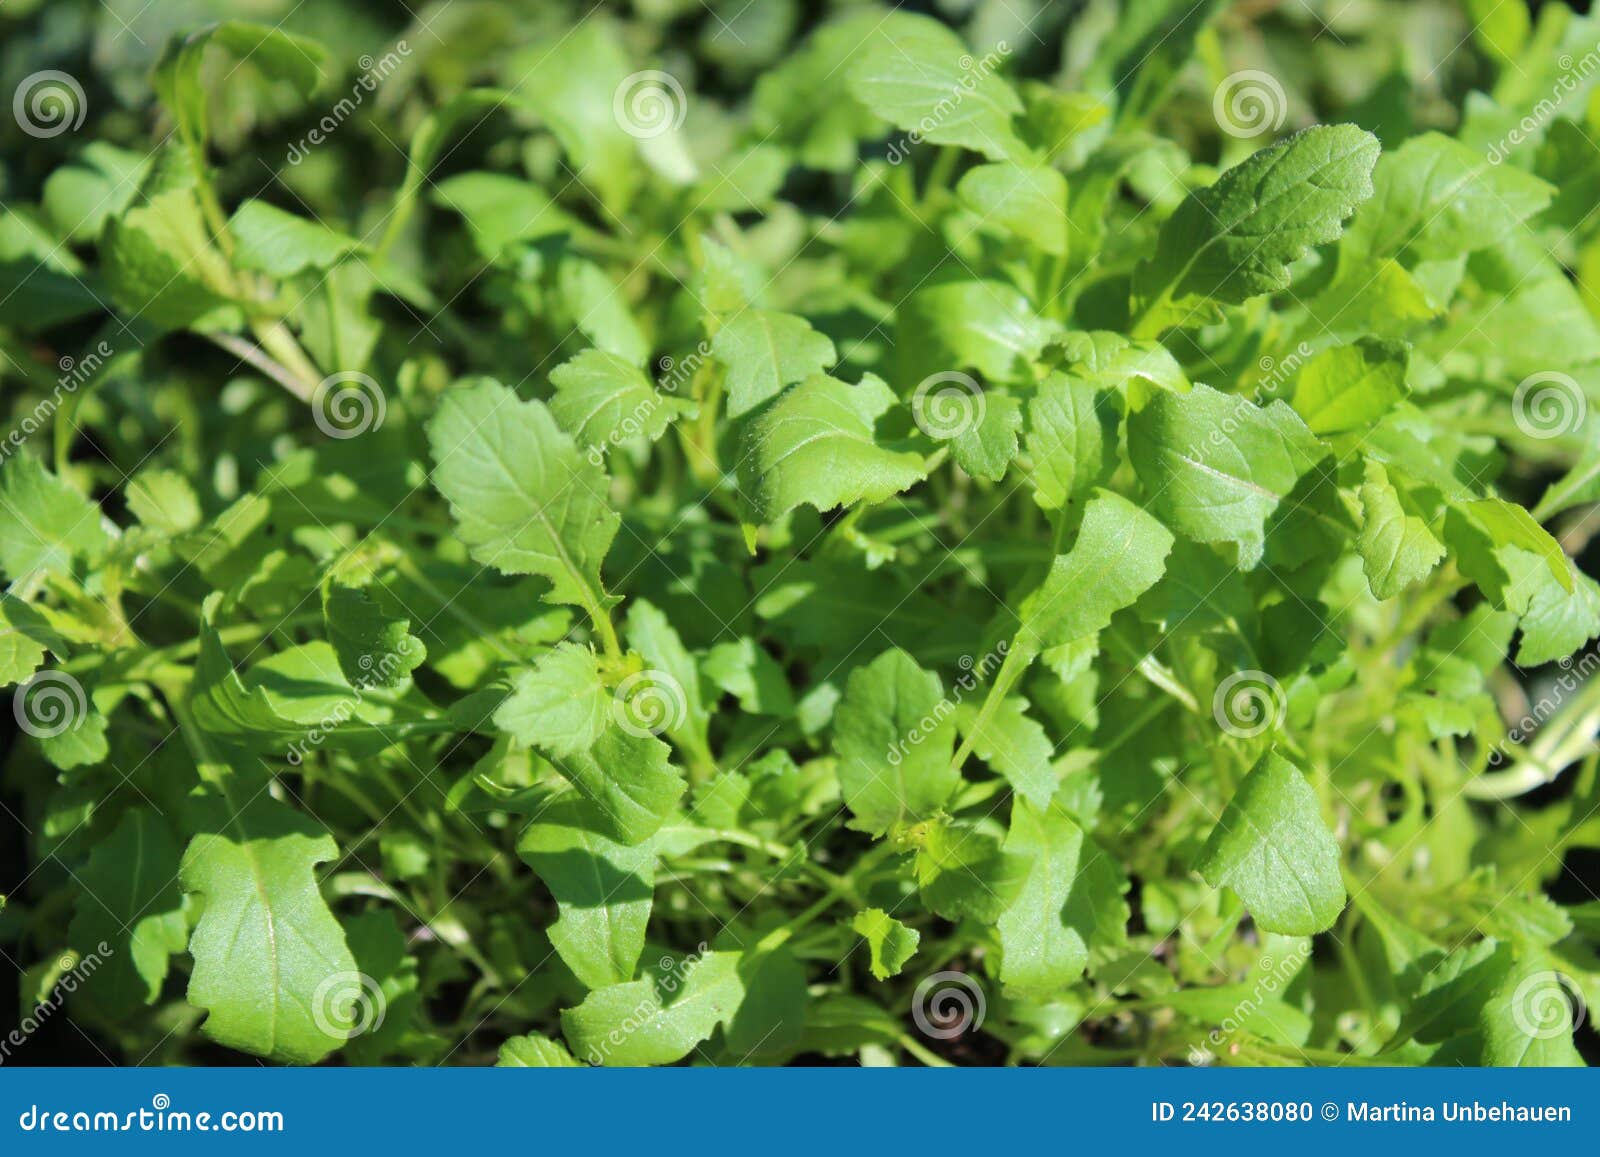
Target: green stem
1011, 669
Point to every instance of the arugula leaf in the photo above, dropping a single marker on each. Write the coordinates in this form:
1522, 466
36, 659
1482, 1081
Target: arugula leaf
1397, 548
270, 960
920, 76
1120, 553
894, 734
1236, 239
765, 351
1029, 203
1070, 899
1217, 466
1272, 849
44, 523
1349, 388
524, 499
374, 648
661, 1018
603, 890
603, 400
815, 445
133, 905
890, 943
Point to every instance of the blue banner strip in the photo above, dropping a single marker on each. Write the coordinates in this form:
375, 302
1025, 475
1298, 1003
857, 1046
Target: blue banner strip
811, 1111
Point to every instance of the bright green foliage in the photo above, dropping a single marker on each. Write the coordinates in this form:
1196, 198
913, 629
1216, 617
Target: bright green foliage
894, 736
633, 535
890, 943
268, 953
1272, 847
765, 351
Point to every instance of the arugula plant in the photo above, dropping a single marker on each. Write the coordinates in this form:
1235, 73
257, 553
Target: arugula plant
601, 542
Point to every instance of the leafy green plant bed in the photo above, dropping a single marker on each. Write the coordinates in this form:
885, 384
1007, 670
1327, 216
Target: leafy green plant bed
721, 537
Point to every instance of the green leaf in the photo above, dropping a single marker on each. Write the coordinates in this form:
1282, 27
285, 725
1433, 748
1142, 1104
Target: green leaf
99, 184
604, 401
44, 523
815, 446
1072, 429
572, 79
1237, 238
1397, 548
765, 351
270, 961
1508, 524
890, 943
1436, 198
985, 448
524, 499
1348, 388
986, 325
534, 1051
963, 873
502, 211
1217, 466
1070, 900
1120, 553
651, 633
559, 704
753, 677
163, 500
1529, 1019
375, 649
25, 636
280, 55
923, 79
660, 1019
1558, 623
1028, 202
894, 733
279, 244
130, 914
1014, 745
158, 259
1273, 850
602, 889
628, 780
